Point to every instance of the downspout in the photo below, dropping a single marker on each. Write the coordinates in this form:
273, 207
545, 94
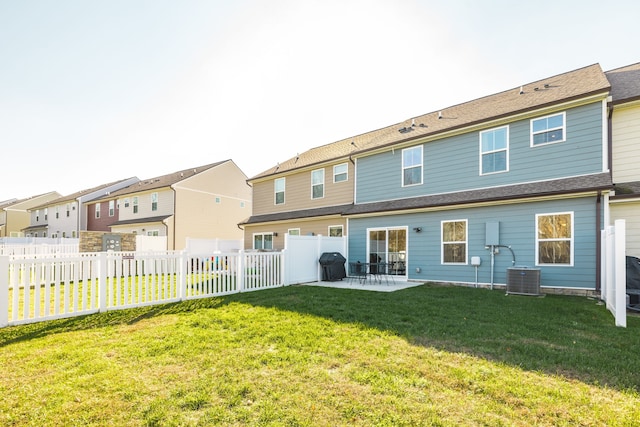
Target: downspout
610, 139
174, 217
598, 240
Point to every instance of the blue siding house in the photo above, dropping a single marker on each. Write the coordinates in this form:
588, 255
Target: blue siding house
510, 180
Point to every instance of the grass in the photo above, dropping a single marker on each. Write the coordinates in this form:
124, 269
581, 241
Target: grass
307, 356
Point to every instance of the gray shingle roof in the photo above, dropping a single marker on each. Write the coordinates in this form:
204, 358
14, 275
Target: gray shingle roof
305, 213
510, 192
572, 85
579, 184
141, 220
625, 83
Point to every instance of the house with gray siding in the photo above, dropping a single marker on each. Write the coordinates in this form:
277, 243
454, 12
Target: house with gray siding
66, 216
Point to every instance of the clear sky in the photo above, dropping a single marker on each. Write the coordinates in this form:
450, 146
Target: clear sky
97, 91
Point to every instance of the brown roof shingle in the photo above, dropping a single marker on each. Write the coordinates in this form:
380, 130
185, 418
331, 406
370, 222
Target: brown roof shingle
572, 85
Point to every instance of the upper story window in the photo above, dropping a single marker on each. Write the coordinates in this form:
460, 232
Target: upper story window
412, 166
263, 241
97, 205
57, 212
340, 172
494, 150
154, 201
126, 202
317, 184
112, 207
278, 189
454, 242
46, 213
554, 239
335, 231
218, 200
68, 211
549, 129
135, 204
37, 215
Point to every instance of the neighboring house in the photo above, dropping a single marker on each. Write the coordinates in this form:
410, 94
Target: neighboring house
625, 137
305, 195
66, 216
523, 172
15, 215
205, 202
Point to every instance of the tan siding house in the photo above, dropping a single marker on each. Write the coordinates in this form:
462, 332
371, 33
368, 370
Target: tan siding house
625, 156
300, 197
16, 215
205, 202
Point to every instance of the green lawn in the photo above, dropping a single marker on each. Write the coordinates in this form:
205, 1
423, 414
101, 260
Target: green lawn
307, 356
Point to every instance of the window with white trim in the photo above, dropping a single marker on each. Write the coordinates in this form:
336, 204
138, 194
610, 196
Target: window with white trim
112, 207
494, 150
97, 210
294, 231
335, 231
317, 184
68, 211
154, 233
154, 201
126, 202
278, 189
548, 129
340, 172
454, 242
57, 212
263, 241
412, 166
135, 204
554, 239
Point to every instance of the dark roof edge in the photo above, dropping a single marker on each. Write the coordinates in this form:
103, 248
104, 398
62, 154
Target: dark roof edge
291, 215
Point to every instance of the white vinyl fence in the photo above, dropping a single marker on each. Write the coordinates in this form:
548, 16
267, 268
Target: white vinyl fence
614, 283
42, 247
38, 288
303, 252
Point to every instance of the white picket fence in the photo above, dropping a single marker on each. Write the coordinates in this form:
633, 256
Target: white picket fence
39, 288
614, 274
40, 248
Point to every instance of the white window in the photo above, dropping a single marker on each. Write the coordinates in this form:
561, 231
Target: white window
135, 204
37, 215
494, 150
278, 188
317, 184
97, 210
46, 213
294, 231
153, 233
554, 239
335, 231
218, 200
126, 202
57, 212
112, 207
412, 166
263, 241
68, 211
548, 130
340, 172
454, 242
154, 201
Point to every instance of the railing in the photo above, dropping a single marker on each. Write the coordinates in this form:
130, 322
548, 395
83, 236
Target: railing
38, 288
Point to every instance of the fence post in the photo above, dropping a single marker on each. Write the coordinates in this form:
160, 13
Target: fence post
621, 274
182, 278
240, 270
284, 272
102, 281
4, 291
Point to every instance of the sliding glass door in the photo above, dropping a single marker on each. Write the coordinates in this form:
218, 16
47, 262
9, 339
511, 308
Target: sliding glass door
388, 246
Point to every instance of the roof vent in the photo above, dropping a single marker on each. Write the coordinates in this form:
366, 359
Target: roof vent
521, 90
439, 114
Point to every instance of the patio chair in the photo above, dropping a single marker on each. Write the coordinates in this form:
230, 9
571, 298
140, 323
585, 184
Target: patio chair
358, 271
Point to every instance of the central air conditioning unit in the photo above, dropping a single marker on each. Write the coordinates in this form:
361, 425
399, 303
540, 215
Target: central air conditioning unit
523, 281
